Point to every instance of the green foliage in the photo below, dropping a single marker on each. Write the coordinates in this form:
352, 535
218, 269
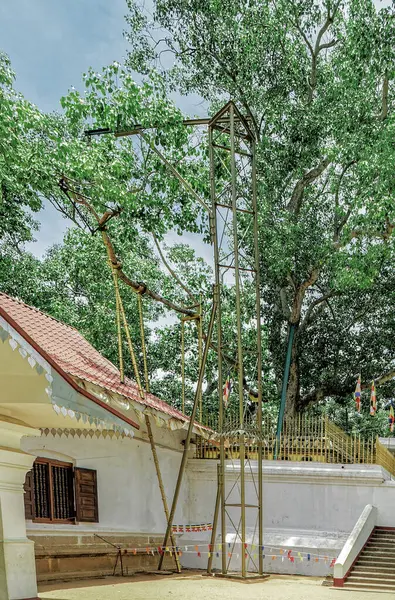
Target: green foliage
20, 161
317, 81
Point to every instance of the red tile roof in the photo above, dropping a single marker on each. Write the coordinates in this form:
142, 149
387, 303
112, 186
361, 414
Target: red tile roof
74, 355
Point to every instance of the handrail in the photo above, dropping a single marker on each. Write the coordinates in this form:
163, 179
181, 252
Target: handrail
354, 544
384, 457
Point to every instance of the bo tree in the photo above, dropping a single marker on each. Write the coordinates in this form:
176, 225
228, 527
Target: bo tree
316, 80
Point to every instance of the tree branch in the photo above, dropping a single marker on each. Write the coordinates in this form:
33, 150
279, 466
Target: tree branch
384, 98
284, 302
342, 389
318, 47
137, 286
338, 225
308, 316
171, 271
299, 295
295, 202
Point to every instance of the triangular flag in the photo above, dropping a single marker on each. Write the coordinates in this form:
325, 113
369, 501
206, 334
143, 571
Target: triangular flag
391, 418
357, 395
227, 390
373, 400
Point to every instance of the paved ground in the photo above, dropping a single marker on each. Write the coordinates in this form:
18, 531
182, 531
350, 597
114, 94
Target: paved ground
197, 587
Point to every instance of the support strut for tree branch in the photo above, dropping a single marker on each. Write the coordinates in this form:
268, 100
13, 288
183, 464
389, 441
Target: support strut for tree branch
284, 390
121, 314
190, 427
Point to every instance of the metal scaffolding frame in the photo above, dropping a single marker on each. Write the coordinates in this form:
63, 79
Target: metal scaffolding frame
234, 211
232, 216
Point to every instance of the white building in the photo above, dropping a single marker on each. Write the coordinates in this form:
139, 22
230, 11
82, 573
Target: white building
74, 438
75, 462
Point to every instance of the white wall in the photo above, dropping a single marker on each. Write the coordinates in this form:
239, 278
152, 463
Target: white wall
128, 492
310, 507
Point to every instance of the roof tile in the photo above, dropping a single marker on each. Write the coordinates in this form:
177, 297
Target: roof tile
73, 354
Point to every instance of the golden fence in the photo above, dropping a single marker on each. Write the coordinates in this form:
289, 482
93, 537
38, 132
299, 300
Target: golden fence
302, 439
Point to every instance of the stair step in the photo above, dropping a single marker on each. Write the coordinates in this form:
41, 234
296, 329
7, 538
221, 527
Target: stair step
380, 543
375, 563
369, 568
382, 547
369, 586
373, 575
386, 529
378, 553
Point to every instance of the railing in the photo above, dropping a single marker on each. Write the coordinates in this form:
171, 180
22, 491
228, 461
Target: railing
302, 439
384, 457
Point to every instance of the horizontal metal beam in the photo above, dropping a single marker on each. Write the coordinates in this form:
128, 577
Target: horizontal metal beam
240, 268
242, 210
136, 129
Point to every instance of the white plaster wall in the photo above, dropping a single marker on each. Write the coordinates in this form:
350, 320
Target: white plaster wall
309, 507
128, 492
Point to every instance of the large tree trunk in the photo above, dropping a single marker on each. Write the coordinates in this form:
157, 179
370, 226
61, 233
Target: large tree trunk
293, 389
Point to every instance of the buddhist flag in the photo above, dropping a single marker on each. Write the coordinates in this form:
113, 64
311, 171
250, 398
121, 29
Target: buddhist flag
227, 390
391, 418
373, 401
357, 395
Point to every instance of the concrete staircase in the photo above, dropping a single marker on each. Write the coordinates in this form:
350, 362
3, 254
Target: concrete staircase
375, 567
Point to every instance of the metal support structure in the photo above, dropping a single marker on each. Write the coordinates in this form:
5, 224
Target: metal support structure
121, 314
215, 522
233, 217
234, 208
183, 366
199, 324
284, 390
190, 427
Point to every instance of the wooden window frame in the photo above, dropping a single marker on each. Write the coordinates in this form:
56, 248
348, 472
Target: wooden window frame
57, 463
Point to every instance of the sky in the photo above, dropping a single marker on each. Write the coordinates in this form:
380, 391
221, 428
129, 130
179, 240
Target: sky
50, 44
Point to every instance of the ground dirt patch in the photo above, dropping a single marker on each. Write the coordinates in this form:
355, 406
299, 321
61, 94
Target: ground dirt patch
193, 585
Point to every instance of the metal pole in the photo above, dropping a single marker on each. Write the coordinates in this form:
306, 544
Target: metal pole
161, 487
284, 389
118, 319
259, 356
239, 337
190, 427
200, 350
215, 520
174, 171
183, 366
142, 395
214, 237
143, 346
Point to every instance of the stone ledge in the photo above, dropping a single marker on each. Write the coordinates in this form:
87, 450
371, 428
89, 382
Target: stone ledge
298, 472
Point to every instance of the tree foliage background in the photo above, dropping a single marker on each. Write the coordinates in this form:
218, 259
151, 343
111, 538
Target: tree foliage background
317, 81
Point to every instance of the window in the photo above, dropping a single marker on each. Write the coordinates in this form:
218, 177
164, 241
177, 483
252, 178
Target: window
55, 492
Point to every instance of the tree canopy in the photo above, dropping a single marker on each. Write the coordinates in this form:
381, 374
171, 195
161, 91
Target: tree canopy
317, 82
